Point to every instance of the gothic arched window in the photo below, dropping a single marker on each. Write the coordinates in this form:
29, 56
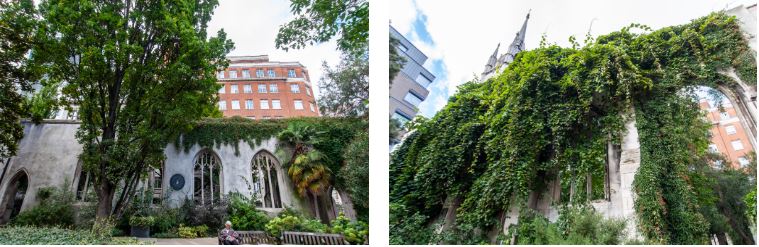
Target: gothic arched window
207, 178
265, 182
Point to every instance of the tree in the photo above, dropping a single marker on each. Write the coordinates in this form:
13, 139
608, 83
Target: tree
396, 60
317, 21
306, 165
17, 27
138, 72
355, 176
345, 89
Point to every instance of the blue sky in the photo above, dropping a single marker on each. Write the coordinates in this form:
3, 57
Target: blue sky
459, 36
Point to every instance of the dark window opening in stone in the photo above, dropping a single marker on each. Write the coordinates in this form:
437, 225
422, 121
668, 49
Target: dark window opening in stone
14, 197
84, 186
266, 180
207, 179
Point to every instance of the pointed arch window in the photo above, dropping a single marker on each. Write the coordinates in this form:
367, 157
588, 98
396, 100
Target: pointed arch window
207, 178
265, 180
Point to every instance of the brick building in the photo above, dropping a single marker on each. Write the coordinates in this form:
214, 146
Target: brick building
728, 135
256, 88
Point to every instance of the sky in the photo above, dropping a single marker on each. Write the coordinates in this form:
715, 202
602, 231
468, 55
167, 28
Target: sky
459, 36
253, 25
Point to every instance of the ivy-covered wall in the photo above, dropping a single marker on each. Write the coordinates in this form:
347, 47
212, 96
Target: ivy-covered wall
552, 111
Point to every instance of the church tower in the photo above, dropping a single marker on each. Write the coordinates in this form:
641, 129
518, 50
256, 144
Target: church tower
496, 66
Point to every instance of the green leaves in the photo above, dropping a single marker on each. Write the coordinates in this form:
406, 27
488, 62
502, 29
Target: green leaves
317, 21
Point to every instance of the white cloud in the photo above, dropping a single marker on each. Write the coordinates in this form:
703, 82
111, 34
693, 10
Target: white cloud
253, 26
465, 33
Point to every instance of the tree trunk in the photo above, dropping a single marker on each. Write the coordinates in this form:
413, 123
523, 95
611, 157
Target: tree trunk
348, 210
315, 202
105, 191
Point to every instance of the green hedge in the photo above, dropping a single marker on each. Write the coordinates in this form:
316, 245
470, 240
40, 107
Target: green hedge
58, 236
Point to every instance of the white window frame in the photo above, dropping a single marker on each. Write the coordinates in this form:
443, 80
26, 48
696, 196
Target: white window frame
291, 73
295, 89
249, 104
724, 115
276, 104
743, 161
272, 73
730, 130
273, 88
223, 89
259, 73
234, 89
713, 148
222, 105
264, 104
308, 91
311, 105
235, 105
261, 88
298, 104
245, 73
233, 74
737, 145
247, 88
220, 75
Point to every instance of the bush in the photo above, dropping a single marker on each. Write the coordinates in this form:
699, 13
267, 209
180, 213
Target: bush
56, 208
141, 221
245, 217
576, 225
354, 232
27, 235
167, 220
286, 222
209, 215
192, 231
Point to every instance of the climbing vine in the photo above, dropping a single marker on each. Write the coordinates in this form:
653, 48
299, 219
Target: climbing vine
552, 112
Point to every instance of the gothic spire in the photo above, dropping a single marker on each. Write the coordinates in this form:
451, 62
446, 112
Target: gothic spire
516, 46
490, 66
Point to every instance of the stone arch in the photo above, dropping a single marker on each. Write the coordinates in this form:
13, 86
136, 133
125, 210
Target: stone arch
207, 178
266, 187
83, 182
15, 193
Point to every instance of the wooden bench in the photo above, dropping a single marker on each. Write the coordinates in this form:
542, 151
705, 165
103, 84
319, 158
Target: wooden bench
310, 238
254, 237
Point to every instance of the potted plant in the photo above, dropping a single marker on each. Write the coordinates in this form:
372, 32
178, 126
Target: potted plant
141, 225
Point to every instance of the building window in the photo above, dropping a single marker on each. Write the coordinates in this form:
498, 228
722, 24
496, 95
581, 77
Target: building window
272, 74
223, 88
423, 80
275, 104
220, 75
222, 105
247, 88
291, 73
261, 88
737, 145
718, 164
235, 105
311, 105
743, 161
401, 117
259, 73
246, 73
273, 88
298, 104
402, 47
266, 117
413, 99
207, 178
308, 91
157, 185
233, 89
233, 74
264, 104
713, 148
249, 104
294, 88
84, 186
724, 115
730, 129
251, 117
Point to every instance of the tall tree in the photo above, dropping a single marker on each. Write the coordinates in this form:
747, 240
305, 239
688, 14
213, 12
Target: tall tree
139, 72
396, 59
17, 27
345, 88
317, 21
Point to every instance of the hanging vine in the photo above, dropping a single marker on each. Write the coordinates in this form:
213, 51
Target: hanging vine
552, 112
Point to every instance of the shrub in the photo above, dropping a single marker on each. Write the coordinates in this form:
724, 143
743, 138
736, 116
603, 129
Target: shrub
209, 215
283, 223
167, 219
192, 231
244, 216
141, 221
576, 225
354, 232
27, 235
56, 208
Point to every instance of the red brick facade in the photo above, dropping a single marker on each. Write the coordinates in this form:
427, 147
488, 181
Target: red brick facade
265, 90
728, 136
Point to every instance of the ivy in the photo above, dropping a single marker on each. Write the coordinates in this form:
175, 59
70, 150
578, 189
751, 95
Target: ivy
551, 114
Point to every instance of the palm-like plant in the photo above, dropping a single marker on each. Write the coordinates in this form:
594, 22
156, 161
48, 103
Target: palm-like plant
305, 165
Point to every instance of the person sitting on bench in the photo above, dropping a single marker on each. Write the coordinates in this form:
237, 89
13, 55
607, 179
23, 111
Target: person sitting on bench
228, 236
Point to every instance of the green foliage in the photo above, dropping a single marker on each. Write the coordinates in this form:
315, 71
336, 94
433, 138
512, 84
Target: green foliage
244, 216
355, 174
354, 232
317, 21
141, 221
287, 222
575, 226
56, 236
750, 200
42, 104
192, 231
17, 28
55, 208
139, 74
551, 114
345, 88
